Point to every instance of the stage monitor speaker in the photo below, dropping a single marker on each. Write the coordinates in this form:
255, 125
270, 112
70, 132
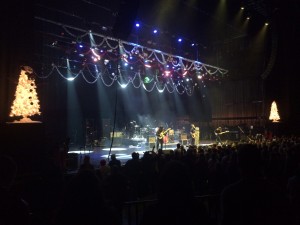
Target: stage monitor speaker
167, 151
184, 142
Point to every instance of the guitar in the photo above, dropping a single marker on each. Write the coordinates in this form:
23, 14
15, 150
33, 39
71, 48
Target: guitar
224, 132
193, 135
162, 134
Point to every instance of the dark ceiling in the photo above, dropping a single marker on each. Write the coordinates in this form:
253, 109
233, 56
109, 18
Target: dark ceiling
202, 22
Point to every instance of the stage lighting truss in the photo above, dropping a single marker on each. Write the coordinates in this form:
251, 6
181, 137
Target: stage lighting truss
113, 60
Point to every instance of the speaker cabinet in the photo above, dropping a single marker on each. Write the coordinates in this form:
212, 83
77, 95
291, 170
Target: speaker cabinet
183, 136
151, 139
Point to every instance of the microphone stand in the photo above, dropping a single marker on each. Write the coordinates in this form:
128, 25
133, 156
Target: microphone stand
244, 133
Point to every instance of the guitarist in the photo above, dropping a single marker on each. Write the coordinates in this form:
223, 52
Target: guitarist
160, 133
218, 133
193, 134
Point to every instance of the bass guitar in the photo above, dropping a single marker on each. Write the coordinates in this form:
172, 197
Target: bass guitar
224, 132
162, 134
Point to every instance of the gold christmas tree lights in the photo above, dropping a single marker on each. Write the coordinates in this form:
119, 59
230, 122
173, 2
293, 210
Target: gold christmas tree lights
26, 101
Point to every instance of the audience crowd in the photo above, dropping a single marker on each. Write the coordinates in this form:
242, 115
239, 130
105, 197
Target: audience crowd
257, 182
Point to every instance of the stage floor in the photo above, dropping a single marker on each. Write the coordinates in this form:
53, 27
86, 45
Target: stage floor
122, 151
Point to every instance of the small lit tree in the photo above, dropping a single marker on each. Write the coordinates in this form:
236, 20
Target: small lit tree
274, 115
26, 101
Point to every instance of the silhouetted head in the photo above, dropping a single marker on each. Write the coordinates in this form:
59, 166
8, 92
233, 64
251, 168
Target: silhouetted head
249, 160
86, 159
102, 162
175, 184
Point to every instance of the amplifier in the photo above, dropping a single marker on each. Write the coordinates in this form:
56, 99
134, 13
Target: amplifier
183, 136
116, 134
151, 139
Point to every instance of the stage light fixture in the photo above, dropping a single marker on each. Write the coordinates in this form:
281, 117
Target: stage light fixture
70, 78
147, 80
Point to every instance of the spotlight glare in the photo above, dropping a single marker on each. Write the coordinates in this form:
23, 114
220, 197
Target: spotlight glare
179, 40
155, 31
137, 25
167, 73
70, 78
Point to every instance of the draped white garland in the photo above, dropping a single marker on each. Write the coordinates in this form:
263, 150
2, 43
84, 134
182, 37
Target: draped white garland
112, 60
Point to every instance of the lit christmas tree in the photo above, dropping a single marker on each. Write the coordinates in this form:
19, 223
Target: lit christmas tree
26, 101
274, 115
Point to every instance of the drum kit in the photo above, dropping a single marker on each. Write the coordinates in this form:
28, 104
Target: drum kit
138, 131
141, 131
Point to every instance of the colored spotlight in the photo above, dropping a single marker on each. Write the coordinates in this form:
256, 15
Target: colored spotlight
147, 80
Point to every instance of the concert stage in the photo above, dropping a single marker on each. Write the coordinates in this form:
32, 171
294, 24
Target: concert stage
123, 152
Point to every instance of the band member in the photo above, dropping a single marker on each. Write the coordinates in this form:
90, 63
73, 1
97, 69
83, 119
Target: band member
193, 134
160, 136
218, 132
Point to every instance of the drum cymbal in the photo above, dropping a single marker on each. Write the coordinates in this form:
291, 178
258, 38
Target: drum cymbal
136, 126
